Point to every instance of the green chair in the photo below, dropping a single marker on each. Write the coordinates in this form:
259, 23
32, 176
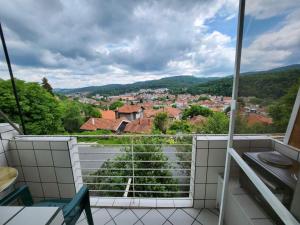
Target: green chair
72, 208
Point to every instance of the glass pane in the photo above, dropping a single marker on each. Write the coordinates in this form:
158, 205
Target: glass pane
269, 82
270, 68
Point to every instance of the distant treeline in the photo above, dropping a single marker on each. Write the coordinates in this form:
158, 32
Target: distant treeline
265, 85
270, 84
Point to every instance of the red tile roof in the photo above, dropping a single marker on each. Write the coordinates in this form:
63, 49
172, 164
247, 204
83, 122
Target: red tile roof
172, 112
129, 109
102, 124
148, 113
141, 126
108, 114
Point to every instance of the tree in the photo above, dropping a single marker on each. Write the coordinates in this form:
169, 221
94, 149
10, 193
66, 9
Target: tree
161, 121
281, 110
180, 126
72, 119
116, 105
42, 112
217, 123
160, 177
196, 110
47, 86
90, 111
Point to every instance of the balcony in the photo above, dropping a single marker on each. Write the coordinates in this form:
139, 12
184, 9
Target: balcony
57, 166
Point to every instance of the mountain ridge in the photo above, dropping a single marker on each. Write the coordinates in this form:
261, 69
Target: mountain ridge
183, 83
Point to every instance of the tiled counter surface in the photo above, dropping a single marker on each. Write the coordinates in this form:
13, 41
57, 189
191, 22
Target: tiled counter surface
16, 215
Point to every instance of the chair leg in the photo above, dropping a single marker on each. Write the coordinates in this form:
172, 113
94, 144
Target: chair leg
88, 214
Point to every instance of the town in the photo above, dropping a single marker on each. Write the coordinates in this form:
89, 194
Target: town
135, 112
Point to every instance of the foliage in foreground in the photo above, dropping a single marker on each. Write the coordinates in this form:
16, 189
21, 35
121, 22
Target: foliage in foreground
42, 112
158, 173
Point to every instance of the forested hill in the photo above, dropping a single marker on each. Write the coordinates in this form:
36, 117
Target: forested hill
172, 83
269, 85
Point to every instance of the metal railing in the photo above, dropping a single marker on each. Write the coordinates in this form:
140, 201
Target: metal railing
136, 165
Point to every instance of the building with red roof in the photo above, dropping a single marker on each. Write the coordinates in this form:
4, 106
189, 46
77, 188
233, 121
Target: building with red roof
139, 126
108, 114
115, 125
130, 112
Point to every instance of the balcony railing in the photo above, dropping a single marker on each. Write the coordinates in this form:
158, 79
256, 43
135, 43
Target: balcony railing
136, 166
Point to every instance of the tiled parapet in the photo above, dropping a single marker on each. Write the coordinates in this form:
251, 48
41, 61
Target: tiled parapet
46, 164
7, 132
210, 161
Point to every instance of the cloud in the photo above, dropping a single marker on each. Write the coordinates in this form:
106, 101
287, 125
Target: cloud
263, 9
279, 45
76, 43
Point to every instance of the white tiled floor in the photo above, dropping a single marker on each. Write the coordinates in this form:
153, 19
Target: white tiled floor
152, 216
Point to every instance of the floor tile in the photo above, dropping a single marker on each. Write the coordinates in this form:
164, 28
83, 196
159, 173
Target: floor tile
111, 223
114, 212
153, 217
215, 211
140, 212
167, 223
192, 212
127, 217
179, 217
207, 218
166, 212
196, 223
101, 217
82, 222
139, 223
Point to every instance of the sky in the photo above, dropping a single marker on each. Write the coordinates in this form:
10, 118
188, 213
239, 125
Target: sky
96, 42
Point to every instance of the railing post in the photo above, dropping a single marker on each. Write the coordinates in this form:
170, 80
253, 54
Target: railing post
132, 159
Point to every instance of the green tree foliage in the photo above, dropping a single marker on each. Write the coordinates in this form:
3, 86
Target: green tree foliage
160, 176
161, 122
203, 98
281, 110
196, 110
265, 85
217, 123
41, 111
90, 111
180, 126
175, 84
72, 118
46, 85
116, 105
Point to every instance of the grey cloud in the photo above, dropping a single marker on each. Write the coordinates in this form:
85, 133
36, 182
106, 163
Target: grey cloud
106, 37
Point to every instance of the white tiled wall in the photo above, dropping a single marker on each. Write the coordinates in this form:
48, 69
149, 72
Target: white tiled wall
46, 164
6, 157
210, 161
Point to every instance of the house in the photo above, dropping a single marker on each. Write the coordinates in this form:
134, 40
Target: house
140, 126
108, 114
173, 113
114, 125
130, 112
